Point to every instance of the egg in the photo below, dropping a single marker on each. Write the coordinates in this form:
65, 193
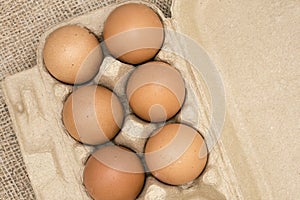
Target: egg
155, 91
176, 154
92, 114
133, 33
113, 173
72, 54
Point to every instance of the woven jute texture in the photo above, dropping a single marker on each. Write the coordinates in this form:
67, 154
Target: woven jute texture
21, 25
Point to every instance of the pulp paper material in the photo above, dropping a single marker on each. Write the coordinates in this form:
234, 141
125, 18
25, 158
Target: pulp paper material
255, 45
55, 161
22, 24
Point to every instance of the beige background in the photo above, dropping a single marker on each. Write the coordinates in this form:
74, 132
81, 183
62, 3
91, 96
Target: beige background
256, 46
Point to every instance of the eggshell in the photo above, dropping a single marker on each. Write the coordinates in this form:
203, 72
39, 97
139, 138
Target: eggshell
176, 154
133, 33
155, 91
114, 173
92, 114
72, 54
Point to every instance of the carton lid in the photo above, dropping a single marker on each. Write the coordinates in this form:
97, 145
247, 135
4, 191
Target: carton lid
253, 45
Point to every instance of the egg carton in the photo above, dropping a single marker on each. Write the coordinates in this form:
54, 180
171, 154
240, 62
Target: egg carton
55, 161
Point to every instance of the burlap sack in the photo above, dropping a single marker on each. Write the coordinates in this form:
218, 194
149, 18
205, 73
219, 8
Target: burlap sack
21, 24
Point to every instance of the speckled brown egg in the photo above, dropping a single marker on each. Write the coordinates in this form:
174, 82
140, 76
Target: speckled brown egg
155, 91
133, 33
72, 54
92, 114
176, 154
113, 173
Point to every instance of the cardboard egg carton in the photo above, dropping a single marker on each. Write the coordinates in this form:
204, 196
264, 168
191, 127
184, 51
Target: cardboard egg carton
55, 161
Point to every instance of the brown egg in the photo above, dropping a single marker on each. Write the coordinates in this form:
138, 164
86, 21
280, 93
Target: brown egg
113, 173
155, 91
176, 154
72, 54
92, 114
133, 33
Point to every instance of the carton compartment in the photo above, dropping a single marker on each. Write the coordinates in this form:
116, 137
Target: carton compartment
55, 161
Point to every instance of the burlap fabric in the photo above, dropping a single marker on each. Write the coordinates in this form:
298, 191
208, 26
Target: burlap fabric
21, 24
